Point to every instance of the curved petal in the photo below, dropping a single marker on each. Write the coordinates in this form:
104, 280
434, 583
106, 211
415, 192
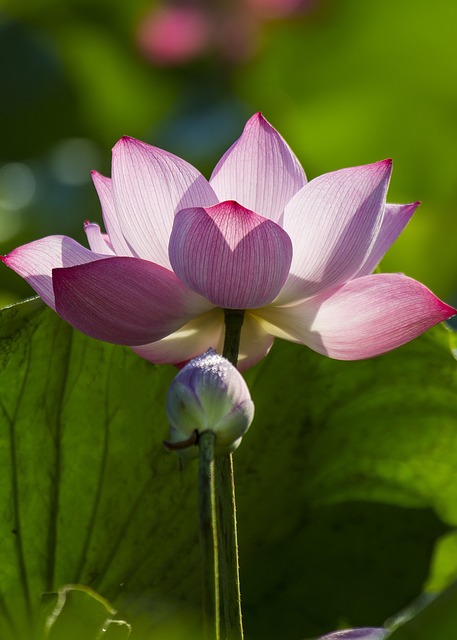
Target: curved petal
98, 242
104, 189
396, 217
361, 319
149, 186
230, 255
35, 262
333, 223
124, 300
259, 171
203, 332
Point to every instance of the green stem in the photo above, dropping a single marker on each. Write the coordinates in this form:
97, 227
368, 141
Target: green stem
234, 319
208, 537
226, 504
228, 548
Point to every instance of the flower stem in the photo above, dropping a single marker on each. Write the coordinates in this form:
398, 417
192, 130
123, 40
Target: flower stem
226, 504
208, 537
234, 319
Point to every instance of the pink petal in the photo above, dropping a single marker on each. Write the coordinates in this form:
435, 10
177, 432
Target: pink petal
361, 319
259, 171
124, 300
203, 332
230, 255
333, 223
104, 189
98, 242
35, 262
396, 217
149, 186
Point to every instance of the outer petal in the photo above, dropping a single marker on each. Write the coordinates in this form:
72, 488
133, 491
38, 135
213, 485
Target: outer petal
203, 332
35, 261
232, 256
149, 186
333, 223
105, 193
98, 242
259, 171
361, 319
124, 300
396, 217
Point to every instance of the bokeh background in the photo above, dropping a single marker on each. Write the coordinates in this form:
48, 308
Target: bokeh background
346, 82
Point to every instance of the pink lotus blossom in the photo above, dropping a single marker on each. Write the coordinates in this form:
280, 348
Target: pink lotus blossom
298, 256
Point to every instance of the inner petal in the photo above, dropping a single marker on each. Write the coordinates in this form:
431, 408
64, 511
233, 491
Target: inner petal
232, 256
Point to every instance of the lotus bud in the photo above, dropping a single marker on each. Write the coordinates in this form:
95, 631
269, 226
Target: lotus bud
367, 633
208, 394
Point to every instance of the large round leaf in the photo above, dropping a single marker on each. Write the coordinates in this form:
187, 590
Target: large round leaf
344, 481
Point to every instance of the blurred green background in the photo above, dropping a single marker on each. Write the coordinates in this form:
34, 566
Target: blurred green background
346, 82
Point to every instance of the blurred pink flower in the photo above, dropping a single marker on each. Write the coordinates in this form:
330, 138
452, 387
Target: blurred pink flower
173, 35
296, 255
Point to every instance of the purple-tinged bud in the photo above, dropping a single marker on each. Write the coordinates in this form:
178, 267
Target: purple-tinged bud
209, 394
367, 633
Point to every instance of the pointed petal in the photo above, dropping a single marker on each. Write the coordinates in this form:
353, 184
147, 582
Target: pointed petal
259, 171
230, 255
124, 300
361, 319
98, 241
333, 223
396, 217
149, 186
203, 332
35, 261
104, 189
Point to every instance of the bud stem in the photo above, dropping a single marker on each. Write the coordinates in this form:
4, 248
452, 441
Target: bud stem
208, 537
226, 504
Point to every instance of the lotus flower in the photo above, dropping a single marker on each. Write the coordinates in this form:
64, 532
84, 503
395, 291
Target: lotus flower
298, 256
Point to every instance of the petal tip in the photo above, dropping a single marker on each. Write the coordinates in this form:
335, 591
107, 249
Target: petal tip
123, 142
258, 119
446, 310
384, 165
